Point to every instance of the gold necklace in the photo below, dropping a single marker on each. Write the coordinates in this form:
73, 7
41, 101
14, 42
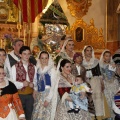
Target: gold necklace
69, 80
64, 76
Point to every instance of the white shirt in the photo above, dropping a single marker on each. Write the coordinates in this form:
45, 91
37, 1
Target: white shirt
7, 62
78, 69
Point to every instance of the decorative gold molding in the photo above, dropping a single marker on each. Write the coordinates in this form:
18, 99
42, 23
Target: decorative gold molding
13, 12
78, 8
91, 35
4, 11
8, 11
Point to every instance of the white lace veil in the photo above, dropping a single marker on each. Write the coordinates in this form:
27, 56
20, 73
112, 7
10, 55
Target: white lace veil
58, 66
83, 51
101, 58
65, 43
93, 56
49, 66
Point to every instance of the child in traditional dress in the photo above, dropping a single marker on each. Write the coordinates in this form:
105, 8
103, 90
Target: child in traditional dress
78, 95
111, 85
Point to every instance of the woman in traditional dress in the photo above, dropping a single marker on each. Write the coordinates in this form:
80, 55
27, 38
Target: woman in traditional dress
67, 51
93, 75
66, 80
9, 100
111, 84
45, 90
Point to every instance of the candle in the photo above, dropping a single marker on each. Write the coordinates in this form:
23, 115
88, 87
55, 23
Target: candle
1, 43
29, 35
18, 33
19, 16
4, 43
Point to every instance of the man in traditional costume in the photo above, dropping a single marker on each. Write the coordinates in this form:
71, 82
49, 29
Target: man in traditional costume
23, 73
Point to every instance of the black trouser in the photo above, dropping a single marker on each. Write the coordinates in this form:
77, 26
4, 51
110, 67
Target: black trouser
27, 103
117, 118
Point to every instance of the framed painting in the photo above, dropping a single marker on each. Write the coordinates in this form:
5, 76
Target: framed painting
79, 34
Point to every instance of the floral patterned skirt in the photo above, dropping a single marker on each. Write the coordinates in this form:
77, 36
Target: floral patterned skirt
61, 113
97, 95
111, 87
39, 111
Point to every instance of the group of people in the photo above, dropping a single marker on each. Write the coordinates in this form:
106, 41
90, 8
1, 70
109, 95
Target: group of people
76, 86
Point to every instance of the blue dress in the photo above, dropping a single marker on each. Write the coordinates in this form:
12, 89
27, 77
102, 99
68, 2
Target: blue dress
75, 94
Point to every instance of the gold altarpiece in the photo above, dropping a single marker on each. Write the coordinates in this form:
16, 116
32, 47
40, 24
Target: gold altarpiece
90, 35
83, 33
11, 24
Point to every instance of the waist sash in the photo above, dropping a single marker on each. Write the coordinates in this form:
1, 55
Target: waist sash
25, 91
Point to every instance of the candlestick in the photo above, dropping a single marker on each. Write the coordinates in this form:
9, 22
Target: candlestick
19, 28
24, 36
29, 36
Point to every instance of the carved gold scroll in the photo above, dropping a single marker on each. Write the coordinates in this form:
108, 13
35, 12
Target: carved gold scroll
78, 8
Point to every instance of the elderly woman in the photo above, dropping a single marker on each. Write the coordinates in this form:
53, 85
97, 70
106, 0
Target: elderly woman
9, 100
66, 80
45, 93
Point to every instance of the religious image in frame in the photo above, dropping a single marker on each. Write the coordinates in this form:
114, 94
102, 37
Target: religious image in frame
79, 34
